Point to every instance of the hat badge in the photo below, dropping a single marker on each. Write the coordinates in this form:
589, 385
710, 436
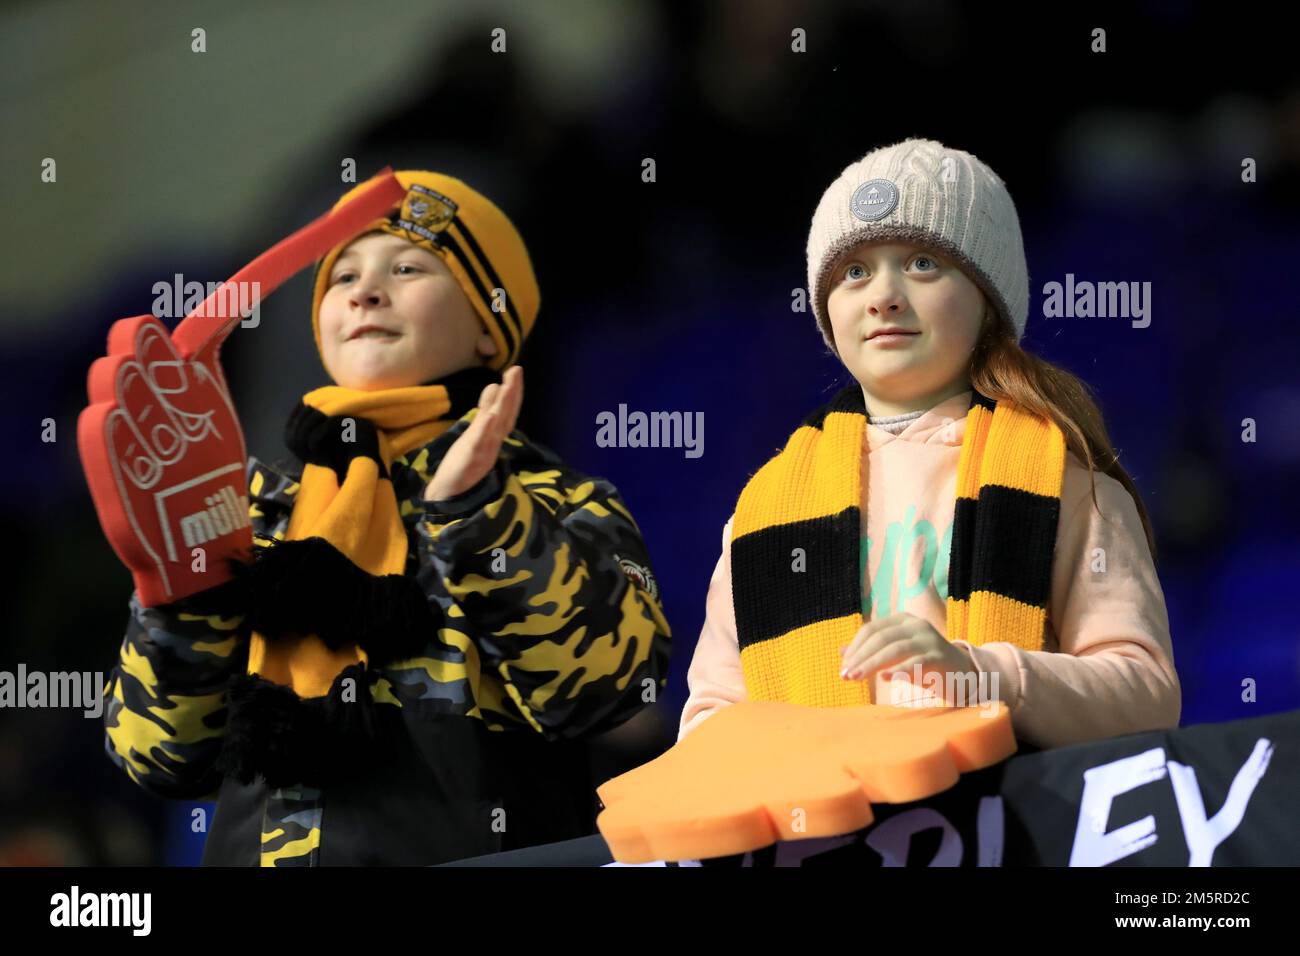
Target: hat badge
874, 199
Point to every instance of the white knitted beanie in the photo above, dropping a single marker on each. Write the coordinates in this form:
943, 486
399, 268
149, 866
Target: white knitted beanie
924, 192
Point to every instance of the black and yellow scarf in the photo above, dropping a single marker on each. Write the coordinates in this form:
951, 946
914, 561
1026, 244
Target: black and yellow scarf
333, 599
795, 561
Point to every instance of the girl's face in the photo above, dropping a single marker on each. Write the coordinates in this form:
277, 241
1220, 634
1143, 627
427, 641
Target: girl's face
429, 329
875, 286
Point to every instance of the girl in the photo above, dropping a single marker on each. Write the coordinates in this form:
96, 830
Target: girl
439, 607
957, 517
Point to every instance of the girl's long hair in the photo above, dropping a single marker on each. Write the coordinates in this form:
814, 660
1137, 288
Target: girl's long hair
1000, 368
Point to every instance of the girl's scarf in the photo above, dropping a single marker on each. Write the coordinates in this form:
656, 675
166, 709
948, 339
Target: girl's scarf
795, 560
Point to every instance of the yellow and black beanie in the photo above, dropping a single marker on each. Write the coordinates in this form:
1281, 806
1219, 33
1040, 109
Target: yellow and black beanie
476, 240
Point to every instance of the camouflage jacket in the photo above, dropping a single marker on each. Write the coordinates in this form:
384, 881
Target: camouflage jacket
552, 631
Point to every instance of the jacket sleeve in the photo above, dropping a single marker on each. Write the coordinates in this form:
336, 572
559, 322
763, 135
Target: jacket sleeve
166, 710
714, 678
165, 713
551, 575
1114, 671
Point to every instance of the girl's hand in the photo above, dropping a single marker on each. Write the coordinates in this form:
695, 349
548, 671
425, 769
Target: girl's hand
898, 643
473, 454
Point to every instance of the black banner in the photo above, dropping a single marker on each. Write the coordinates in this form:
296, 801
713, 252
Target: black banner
1209, 795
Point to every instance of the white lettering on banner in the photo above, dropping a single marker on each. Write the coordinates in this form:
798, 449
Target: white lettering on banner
794, 852
102, 909
1202, 836
991, 832
1093, 846
893, 838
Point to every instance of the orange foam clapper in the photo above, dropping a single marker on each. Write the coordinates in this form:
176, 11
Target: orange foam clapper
756, 772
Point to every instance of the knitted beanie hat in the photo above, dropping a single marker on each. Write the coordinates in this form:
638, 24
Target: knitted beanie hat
921, 191
475, 240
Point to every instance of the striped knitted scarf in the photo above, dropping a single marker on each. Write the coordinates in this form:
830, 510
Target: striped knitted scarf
334, 593
801, 513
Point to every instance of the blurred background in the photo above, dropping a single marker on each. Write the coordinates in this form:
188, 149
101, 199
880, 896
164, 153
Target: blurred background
673, 295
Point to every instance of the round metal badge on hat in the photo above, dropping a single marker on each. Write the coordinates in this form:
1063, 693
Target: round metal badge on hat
874, 199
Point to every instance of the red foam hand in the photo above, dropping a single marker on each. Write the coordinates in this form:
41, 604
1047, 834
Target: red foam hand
160, 442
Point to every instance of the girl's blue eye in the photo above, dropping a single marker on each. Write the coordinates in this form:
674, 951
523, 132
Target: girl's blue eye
849, 272
341, 276
928, 259
407, 265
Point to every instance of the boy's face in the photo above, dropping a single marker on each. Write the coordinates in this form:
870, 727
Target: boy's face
878, 285
431, 330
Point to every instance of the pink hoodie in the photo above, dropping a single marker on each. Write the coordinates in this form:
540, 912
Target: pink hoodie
1108, 669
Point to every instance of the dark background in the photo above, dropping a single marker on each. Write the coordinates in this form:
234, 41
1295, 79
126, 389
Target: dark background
671, 296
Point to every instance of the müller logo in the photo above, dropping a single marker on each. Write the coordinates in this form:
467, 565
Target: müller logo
226, 512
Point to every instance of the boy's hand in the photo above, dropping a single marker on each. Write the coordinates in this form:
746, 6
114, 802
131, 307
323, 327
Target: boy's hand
899, 642
474, 453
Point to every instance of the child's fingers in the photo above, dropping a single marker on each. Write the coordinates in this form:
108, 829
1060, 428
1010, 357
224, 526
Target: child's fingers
887, 647
503, 399
509, 390
904, 666
496, 432
500, 399
884, 632
480, 429
513, 399
870, 628
488, 440
890, 659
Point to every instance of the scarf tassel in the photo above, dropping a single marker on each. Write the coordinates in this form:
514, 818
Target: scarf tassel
290, 741
310, 587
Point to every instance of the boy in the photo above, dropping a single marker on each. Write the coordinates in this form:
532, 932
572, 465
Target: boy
439, 608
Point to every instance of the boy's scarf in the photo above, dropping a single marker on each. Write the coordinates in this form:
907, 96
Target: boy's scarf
797, 579
333, 594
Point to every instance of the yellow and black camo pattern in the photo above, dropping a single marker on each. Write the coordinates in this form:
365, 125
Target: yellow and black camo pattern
165, 710
552, 578
552, 622
291, 827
